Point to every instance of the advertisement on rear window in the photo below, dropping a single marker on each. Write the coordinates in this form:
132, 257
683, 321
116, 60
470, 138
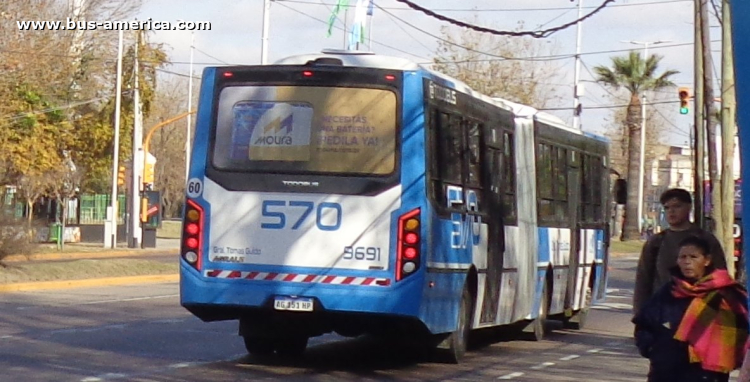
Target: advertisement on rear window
309, 129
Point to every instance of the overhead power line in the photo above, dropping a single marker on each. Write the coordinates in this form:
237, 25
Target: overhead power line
475, 10
535, 34
607, 106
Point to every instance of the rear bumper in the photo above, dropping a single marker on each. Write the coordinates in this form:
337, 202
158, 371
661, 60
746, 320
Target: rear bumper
214, 298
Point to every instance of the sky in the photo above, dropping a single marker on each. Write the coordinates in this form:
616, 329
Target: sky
300, 26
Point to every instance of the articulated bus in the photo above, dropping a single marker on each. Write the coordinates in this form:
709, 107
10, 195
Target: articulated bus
354, 193
741, 49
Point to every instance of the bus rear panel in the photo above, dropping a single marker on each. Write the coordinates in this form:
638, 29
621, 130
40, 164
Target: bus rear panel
295, 211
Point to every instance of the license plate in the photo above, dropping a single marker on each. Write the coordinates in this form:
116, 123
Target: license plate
293, 304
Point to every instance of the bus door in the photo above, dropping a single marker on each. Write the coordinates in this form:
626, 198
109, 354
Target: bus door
492, 190
575, 215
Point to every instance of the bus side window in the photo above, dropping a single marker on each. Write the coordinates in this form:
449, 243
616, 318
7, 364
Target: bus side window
546, 209
448, 145
561, 185
509, 178
474, 168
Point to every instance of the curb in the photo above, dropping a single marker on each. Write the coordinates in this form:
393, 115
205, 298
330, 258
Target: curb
107, 281
91, 255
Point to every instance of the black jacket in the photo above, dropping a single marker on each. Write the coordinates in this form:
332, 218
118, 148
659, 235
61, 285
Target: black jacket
655, 327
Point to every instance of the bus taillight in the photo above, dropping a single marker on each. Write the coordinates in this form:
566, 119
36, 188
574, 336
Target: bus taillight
192, 237
407, 258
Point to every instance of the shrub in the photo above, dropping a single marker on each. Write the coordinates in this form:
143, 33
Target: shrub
16, 237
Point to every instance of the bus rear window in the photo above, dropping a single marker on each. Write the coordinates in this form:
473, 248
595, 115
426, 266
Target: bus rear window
306, 130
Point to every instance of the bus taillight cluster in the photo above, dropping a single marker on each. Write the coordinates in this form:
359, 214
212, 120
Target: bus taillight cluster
192, 237
407, 260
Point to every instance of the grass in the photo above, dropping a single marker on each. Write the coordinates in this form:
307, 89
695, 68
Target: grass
169, 230
82, 269
630, 246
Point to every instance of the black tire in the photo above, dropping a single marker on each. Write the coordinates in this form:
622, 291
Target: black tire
578, 320
537, 328
258, 346
291, 347
453, 348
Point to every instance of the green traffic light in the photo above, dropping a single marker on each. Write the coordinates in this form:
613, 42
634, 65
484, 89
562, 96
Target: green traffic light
684, 110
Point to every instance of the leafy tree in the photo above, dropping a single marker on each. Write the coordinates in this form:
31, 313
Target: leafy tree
94, 151
168, 143
510, 72
635, 75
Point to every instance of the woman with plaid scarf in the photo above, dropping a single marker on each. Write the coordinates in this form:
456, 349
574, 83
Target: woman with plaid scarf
695, 328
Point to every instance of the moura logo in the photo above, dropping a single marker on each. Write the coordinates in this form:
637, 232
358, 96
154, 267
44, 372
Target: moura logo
268, 140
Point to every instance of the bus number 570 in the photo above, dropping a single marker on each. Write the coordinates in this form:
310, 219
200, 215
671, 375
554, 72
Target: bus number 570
274, 213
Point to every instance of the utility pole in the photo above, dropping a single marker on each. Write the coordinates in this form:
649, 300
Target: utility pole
134, 197
699, 128
110, 235
264, 37
370, 12
708, 104
728, 131
346, 33
577, 90
190, 107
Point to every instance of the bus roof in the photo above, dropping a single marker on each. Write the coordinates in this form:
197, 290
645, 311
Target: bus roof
356, 58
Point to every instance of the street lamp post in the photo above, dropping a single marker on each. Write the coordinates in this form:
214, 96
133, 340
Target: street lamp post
577, 91
642, 162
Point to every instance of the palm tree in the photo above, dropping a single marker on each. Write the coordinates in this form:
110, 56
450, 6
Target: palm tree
636, 76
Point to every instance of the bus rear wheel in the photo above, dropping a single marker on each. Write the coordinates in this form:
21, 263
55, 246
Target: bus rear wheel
453, 348
258, 346
291, 346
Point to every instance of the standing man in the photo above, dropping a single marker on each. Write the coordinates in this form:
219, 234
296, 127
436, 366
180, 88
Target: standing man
659, 254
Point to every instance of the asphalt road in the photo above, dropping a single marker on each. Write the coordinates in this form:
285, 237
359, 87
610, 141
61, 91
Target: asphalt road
140, 333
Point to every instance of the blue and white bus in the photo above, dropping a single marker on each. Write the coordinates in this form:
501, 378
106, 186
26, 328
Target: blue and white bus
360, 194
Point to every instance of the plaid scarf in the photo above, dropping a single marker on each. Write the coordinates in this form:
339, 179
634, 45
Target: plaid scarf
715, 324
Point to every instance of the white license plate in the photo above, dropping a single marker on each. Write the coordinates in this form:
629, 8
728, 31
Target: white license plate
293, 304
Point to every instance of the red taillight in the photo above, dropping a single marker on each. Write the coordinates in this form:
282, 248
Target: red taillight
407, 246
307, 73
410, 253
411, 238
228, 74
390, 77
191, 243
192, 237
192, 229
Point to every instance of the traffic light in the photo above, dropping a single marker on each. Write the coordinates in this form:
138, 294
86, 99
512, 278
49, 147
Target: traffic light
121, 176
684, 94
148, 173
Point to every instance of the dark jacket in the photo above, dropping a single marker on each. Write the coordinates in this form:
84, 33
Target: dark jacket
659, 255
655, 327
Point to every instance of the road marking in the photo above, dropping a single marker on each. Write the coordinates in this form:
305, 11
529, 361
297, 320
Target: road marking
169, 321
594, 350
608, 352
104, 377
511, 375
543, 365
612, 306
180, 365
570, 357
